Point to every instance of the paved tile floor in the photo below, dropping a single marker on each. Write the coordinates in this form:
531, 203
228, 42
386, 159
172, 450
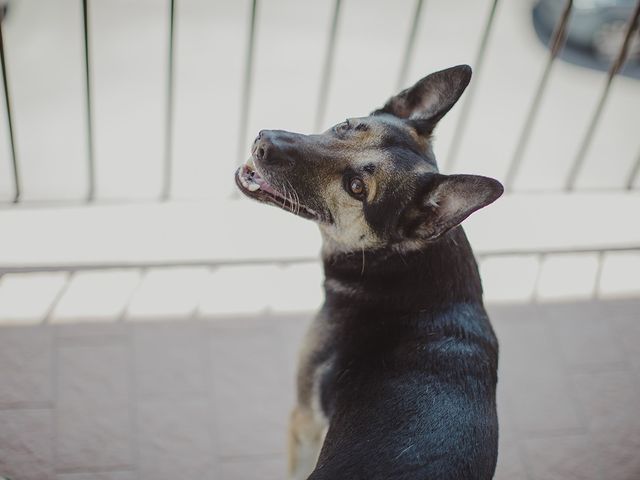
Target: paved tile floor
210, 399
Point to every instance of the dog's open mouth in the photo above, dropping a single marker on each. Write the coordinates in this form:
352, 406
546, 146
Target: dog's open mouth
253, 185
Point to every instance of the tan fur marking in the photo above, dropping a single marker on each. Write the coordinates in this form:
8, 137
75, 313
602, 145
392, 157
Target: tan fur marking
424, 167
305, 440
350, 231
372, 188
420, 139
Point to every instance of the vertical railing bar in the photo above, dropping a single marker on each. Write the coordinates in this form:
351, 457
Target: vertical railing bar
615, 68
327, 68
535, 296
246, 83
7, 100
46, 318
555, 45
466, 106
91, 167
168, 127
596, 287
410, 47
634, 173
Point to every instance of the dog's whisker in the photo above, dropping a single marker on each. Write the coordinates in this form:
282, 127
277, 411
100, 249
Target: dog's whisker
284, 198
289, 198
404, 450
297, 198
292, 206
293, 198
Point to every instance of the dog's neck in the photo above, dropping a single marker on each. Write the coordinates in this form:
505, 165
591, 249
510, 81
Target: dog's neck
441, 273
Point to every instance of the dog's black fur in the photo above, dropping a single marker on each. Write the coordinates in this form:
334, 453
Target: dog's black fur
411, 394
401, 361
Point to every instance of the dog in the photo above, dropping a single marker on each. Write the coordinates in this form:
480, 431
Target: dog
397, 376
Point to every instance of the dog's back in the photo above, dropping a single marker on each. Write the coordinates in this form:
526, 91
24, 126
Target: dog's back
408, 368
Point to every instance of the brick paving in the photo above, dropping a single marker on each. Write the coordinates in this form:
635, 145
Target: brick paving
209, 399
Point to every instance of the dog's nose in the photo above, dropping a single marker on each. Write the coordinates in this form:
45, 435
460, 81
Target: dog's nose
266, 148
260, 148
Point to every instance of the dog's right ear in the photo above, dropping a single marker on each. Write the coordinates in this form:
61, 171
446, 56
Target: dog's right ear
424, 104
446, 200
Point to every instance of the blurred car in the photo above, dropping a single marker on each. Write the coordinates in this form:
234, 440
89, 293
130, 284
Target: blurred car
599, 25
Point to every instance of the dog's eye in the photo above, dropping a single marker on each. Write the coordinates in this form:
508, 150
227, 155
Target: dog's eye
342, 127
356, 187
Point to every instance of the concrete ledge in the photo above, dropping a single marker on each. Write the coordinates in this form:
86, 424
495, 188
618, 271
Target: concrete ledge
242, 231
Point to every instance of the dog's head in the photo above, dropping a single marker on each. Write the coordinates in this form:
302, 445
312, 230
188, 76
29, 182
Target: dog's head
372, 181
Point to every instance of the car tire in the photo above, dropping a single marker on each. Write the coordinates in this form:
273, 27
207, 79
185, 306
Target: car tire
608, 39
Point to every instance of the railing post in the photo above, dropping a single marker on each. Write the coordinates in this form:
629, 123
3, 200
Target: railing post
7, 99
327, 68
91, 166
635, 171
615, 67
168, 130
458, 134
245, 104
555, 46
411, 43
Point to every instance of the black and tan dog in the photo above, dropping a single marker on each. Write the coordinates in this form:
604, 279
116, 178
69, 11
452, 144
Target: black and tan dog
397, 376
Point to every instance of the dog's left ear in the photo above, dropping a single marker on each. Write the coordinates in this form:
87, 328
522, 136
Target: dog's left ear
447, 200
424, 104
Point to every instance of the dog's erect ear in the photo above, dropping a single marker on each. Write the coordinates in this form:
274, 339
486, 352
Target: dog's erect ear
424, 104
447, 200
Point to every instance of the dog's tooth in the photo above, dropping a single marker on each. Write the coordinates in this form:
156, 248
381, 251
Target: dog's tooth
253, 187
245, 183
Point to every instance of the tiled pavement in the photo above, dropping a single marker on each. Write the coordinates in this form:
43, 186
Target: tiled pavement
209, 399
